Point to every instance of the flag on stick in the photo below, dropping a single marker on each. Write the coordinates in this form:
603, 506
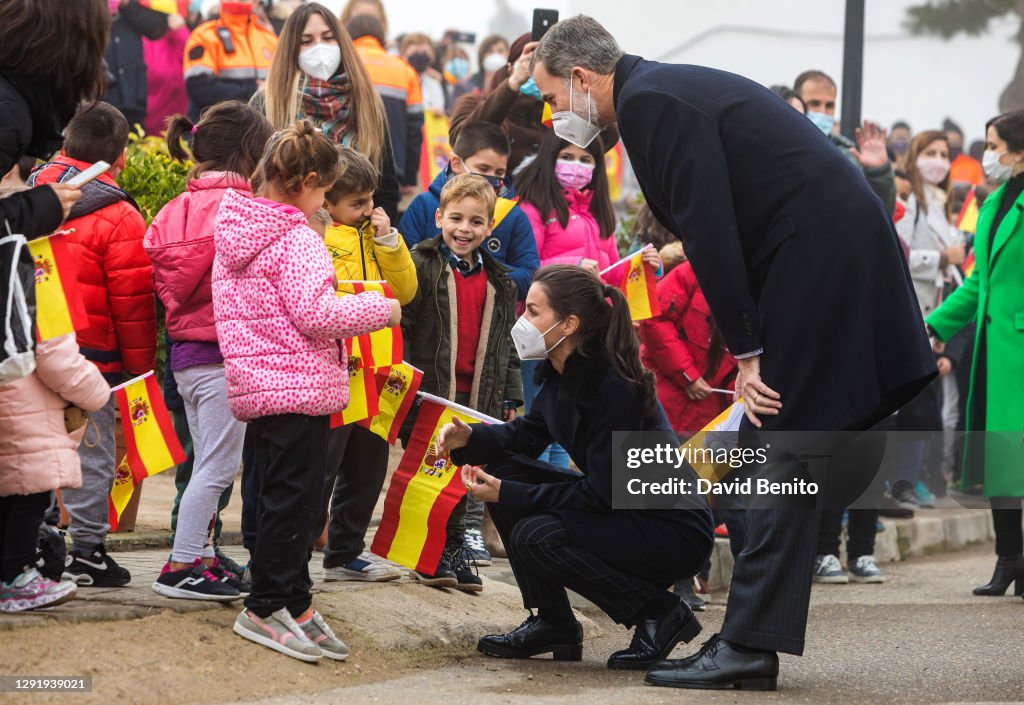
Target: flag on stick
968, 220
396, 388
639, 285
362, 390
152, 445
424, 490
59, 307
381, 348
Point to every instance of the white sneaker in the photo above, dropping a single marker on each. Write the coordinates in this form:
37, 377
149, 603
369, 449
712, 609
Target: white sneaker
278, 632
366, 568
827, 569
320, 634
865, 570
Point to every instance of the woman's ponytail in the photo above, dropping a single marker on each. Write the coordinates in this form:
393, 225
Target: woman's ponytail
624, 347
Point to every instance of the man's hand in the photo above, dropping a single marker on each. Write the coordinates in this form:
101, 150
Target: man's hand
521, 68
758, 396
489, 491
68, 195
870, 150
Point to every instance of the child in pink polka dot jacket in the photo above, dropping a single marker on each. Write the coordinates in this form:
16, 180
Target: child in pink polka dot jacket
279, 322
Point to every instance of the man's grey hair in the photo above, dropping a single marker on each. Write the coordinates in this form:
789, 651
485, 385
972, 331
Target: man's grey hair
578, 41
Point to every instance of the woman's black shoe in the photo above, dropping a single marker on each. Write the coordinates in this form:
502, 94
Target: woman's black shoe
1009, 569
534, 637
718, 666
654, 639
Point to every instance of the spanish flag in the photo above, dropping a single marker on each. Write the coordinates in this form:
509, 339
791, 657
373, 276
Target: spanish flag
641, 289
436, 149
423, 491
728, 421
502, 207
545, 116
120, 493
968, 220
381, 348
969, 265
396, 389
362, 390
152, 445
59, 306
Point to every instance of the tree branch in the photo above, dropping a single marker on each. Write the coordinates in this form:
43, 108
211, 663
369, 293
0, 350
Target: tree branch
948, 18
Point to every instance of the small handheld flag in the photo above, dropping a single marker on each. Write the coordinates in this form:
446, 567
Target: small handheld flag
968, 220
381, 348
59, 306
362, 390
424, 490
396, 389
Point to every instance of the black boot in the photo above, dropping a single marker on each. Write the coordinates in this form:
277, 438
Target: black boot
718, 665
1009, 569
655, 638
533, 637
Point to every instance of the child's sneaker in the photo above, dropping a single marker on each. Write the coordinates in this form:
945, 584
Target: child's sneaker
31, 590
865, 570
320, 634
51, 552
278, 632
467, 579
230, 577
365, 568
227, 563
443, 577
194, 583
96, 569
476, 551
827, 569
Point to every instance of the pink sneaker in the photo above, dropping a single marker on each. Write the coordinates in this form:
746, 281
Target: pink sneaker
31, 590
278, 632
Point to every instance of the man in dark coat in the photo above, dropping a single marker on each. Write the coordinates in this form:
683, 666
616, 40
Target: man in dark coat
804, 275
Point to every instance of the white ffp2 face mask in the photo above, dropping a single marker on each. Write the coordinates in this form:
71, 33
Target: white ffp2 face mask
573, 127
321, 60
993, 168
529, 340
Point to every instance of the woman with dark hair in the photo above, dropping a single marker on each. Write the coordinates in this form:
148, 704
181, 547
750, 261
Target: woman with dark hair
992, 300
559, 528
316, 75
43, 80
791, 97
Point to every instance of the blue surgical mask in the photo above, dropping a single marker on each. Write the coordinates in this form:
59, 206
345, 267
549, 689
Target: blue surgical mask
530, 89
498, 183
823, 122
457, 67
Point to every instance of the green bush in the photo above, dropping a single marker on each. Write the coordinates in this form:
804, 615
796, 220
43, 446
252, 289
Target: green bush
150, 176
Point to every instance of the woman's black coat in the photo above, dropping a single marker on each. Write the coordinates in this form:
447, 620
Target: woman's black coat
793, 251
31, 125
580, 409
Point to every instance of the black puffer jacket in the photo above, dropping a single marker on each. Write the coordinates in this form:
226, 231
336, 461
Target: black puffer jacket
29, 125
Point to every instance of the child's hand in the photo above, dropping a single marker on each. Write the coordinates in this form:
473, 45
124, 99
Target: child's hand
380, 222
508, 415
591, 266
651, 257
396, 313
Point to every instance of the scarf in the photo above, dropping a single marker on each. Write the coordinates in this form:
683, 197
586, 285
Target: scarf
326, 103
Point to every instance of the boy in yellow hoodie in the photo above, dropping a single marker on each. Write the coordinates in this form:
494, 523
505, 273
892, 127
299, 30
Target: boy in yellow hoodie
364, 247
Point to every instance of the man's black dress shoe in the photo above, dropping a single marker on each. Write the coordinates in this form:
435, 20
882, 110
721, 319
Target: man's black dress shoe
654, 639
533, 637
718, 666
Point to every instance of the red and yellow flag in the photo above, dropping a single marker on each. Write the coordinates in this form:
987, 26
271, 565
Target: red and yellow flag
641, 289
168, 7
969, 265
424, 490
968, 220
396, 389
613, 164
362, 390
152, 444
545, 116
381, 348
502, 207
59, 306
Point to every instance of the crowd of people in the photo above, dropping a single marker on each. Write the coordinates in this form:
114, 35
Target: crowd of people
304, 134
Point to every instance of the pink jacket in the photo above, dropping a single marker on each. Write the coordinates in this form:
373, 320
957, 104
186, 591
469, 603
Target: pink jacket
164, 59
180, 244
37, 454
580, 239
279, 318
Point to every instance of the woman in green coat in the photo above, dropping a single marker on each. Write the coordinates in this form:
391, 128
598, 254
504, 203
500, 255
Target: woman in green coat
992, 299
